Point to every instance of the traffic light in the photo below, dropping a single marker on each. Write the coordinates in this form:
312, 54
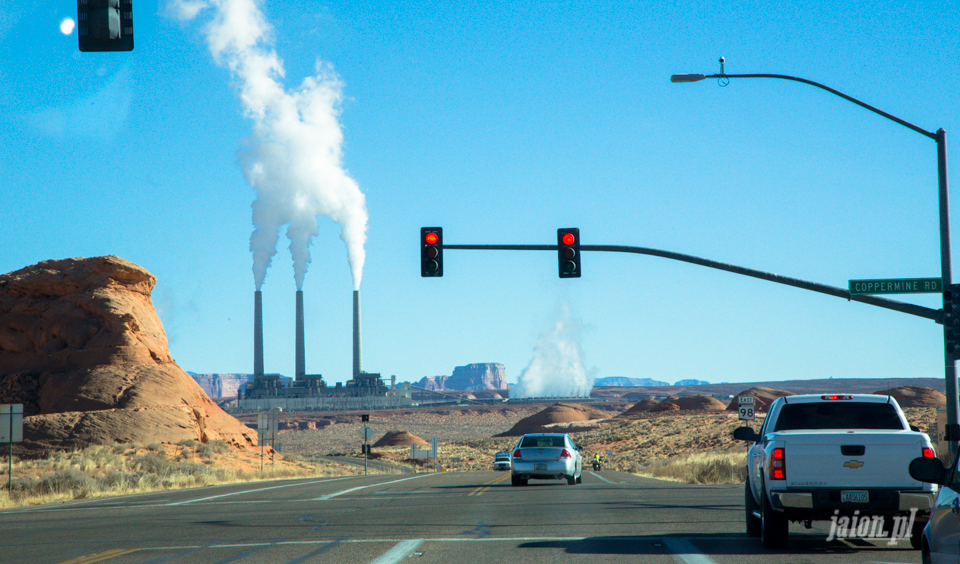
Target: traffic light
431, 251
951, 320
568, 243
105, 25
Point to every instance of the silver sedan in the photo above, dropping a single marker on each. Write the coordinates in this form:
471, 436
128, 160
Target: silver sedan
546, 456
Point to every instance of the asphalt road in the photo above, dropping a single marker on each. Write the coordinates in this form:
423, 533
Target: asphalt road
449, 517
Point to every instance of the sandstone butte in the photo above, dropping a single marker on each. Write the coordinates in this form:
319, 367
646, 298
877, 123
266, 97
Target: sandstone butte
82, 348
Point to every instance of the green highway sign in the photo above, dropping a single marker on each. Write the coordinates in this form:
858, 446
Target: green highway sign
896, 286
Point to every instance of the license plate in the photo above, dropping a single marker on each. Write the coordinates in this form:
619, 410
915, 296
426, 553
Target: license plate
855, 497
539, 466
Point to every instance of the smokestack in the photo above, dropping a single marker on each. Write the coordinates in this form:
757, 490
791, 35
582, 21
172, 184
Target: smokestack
301, 367
257, 334
357, 345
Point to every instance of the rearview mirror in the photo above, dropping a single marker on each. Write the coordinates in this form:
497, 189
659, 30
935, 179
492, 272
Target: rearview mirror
746, 434
927, 470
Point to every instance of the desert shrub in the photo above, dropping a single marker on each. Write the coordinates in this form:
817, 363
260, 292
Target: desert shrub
187, 443
152, 463
208, 449
291, 458
66, 481
122, 448
155, 447
116, 481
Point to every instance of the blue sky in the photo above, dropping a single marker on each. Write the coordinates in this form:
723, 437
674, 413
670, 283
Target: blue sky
502, 122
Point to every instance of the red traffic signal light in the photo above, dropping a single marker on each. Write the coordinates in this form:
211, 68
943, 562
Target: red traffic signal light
568, 252
431, 251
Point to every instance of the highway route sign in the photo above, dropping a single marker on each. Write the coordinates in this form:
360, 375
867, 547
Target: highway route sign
366, 433
746, 408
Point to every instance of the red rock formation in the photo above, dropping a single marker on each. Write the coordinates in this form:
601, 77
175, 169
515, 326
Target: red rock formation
646, 404
399, 438
690, 402
557, 413
916, 396
83, 349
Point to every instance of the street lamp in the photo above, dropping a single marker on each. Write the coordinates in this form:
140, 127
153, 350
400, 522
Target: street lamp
952, 432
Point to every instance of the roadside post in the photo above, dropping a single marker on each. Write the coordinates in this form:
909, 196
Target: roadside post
11, 431
267, 424
366, 433
746, 408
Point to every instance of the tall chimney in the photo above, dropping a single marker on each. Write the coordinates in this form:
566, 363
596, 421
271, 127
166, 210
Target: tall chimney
257, 334
357, 345
301, 367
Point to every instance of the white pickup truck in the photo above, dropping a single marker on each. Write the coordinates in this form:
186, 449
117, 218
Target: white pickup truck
826, 457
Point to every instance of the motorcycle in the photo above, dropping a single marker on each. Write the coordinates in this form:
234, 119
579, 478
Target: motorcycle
597, 464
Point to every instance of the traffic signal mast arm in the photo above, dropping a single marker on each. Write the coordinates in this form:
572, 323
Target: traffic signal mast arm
920, 311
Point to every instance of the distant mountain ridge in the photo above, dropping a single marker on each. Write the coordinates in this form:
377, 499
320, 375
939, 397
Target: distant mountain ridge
624, 381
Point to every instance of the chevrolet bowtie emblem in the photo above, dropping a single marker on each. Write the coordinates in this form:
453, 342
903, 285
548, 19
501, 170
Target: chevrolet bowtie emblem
853, 464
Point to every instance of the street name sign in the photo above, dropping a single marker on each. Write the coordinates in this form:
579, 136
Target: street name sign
896, 286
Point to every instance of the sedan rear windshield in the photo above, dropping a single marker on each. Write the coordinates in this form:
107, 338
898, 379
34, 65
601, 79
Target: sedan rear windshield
838, 415
542, 442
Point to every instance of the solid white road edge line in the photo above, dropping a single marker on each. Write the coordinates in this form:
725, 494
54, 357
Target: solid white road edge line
595, 475
399, 552
333, 495
260, 490
683, 551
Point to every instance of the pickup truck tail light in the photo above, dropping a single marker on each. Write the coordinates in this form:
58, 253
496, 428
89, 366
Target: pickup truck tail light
778, 465
928, 453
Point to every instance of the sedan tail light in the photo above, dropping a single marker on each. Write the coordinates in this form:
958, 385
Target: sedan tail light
565, 454
516, 453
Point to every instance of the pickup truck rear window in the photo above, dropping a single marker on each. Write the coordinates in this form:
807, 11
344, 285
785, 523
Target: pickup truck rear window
838, 415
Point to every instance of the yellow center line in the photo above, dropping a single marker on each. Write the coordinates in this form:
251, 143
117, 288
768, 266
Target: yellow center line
486, 485
100, 556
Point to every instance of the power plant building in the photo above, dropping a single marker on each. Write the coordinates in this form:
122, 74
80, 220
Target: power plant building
364, 390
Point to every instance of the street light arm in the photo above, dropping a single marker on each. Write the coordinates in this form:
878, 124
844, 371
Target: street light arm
877, 111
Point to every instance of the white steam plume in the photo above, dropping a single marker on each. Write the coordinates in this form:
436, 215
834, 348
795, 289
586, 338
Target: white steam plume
295, 159
556, 369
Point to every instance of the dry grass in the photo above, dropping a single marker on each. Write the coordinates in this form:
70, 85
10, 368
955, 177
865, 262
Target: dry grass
101, 471
708, 468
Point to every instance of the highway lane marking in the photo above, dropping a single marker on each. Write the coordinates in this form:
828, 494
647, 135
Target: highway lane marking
246, 553
100, 556
595, 475
183, 554
486, 485
684, 551
399, 552
333, 495
259, 490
